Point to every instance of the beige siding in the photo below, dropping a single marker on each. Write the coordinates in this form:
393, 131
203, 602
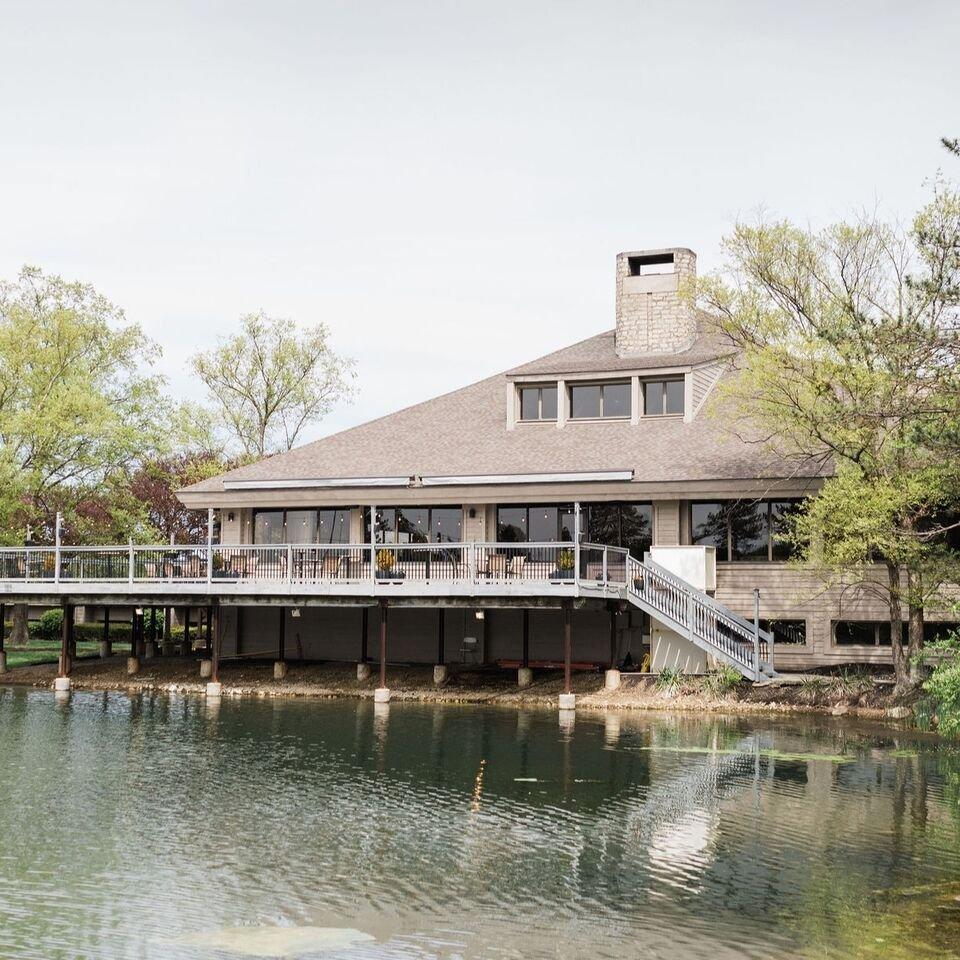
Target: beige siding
475, 527
666, 523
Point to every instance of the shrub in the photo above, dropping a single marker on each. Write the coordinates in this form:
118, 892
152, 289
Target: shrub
853, 680
385, 559
943, 687
722, 681
565, 560
812, 688
50, 625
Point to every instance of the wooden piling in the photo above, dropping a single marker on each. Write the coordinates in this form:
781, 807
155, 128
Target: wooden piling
383, 643
214, 627
282, 640
441, 627
66, 637
613, 638
186, 631
567, 645
525, 656
364, 626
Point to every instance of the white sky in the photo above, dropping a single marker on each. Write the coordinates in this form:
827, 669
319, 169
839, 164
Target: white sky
445, 184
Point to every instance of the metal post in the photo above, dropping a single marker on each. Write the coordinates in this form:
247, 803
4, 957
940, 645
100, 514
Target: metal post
209, 630
56, 548
756, 633
613, 638
567, 646
526, 638
383, 643
134, 619
209, 545
282, 640
186, 631
363, 633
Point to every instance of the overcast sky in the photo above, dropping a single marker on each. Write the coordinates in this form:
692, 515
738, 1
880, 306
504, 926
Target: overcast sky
445, 184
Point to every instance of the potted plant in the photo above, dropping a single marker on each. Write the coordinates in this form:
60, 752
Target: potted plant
386, 566
564, 570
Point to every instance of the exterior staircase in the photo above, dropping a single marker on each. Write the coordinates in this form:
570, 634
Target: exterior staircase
696, 616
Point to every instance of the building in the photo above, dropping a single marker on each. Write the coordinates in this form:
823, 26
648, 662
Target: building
499, 519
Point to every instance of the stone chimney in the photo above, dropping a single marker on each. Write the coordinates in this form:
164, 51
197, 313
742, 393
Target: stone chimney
652, 313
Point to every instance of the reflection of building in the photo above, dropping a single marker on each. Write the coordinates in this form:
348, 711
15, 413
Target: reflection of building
489, 499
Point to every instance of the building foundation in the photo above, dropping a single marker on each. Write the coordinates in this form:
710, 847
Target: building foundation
133, 666
280, 669
381, 695
524, 677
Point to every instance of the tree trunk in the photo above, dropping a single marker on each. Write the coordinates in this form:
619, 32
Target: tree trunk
18, 633
900, 666
916, 671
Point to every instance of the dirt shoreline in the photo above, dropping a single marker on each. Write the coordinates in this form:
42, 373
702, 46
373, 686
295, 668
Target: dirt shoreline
482, 686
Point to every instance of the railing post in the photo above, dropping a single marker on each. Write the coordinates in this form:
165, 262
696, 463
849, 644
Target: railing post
576, 548
130, 561
605, 566
209, 545
290, 563
472, 561
373, 547
56, 548
691, 615
756, 633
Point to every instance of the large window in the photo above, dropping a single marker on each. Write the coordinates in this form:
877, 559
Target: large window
301, 526
876, 633
594, 400
416, 525
627, 525
535, 524
742, 530
662, 398
538, 403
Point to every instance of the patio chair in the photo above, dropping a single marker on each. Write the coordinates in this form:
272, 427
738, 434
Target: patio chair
497, 567
330, 567
517, 564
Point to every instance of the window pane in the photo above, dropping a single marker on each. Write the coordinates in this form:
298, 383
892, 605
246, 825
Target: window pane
386, 525
616, 399
568, 524
548, 403
653, 398
636, 528
585, 401
268, 526
603, 523
301, 526
780, 511
333, 526
748, 531
530, 403
786, 631
674, 396
446, 525
708, 524
543, 524
512, 524
413, 525
856, 633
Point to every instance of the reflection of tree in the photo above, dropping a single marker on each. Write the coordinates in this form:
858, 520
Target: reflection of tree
748, 529
712, 529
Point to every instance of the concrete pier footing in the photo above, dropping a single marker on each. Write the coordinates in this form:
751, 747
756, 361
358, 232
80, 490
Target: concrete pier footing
206, 669
133, 665
166, 648
611, 680
524, 677
440, 674
106, 649
363, 671
568, 701
280, 669
214, 689
381, 695
149, 650
61, 684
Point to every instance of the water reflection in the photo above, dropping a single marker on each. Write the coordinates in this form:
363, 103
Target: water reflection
129, 824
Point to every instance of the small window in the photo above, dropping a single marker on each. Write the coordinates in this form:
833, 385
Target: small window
538, 403
786, 631
644, 264
663, 398
864, 633
594, 400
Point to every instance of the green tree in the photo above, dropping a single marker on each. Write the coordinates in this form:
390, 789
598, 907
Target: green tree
271, 380
79, 407
844, 360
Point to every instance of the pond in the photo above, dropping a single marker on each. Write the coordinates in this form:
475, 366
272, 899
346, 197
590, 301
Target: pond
154, 826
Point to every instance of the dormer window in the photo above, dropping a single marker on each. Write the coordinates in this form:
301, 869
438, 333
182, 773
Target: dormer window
590, 401
538, 403
663, 398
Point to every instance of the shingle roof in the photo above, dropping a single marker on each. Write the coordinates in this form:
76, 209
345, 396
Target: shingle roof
465, 433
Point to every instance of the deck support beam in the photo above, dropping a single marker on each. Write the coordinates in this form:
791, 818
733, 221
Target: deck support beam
187, 647
280, 667
136, 623
567, 698
382, 693
3, 631
214, 687
363, 664
106, 645
62, 682
524, 673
